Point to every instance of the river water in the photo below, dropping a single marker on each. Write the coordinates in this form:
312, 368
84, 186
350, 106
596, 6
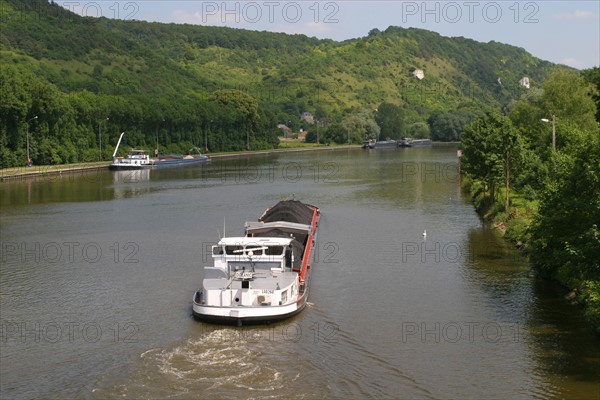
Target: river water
98, 272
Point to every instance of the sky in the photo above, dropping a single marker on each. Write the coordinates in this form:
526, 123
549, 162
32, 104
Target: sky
565, 32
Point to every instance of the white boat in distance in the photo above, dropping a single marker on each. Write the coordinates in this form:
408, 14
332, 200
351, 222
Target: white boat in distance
263, 276
135, 159
140, 159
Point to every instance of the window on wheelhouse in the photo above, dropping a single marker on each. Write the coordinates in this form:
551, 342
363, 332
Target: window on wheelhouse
265, 266
231, 250
274, 250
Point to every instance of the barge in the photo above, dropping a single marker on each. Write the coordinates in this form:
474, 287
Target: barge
372, 144
263, 276
408, 142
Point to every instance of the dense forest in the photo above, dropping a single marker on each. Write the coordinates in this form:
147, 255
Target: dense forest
71, 84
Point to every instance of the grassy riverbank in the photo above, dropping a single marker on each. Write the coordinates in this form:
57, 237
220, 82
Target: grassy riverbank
515, 225
43, 170
512, 224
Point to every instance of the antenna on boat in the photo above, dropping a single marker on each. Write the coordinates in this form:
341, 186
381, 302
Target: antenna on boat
219, 233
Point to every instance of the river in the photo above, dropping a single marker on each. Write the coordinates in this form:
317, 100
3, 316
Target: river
98, 271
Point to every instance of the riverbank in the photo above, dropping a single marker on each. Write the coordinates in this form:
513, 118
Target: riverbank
8, 174
514, 226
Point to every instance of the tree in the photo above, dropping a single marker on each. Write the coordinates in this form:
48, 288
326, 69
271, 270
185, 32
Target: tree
311, 136
390, 119
566, 95
418, 130
361, 127
448, 127
592, 76
245, 107
336, 133
491, 147
566, 230
14, 106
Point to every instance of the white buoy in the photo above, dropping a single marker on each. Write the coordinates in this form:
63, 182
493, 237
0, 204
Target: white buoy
425, 234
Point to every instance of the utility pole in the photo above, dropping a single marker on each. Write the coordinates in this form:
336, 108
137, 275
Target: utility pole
29, 159
553, 130
157, 130
100, 136
317, 132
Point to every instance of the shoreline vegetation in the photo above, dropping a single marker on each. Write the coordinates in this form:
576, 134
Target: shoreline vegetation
533, 174
514, 227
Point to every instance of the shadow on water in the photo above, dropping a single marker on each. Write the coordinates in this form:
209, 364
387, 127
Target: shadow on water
563, 346
562, 340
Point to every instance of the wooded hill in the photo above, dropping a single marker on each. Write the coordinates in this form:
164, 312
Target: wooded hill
227, 88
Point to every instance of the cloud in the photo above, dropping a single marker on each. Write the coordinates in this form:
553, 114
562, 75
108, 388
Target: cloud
199, 18
572, 16
245, 20
317, 29
573, 62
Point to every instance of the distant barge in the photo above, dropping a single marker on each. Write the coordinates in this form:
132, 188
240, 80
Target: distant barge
406, 142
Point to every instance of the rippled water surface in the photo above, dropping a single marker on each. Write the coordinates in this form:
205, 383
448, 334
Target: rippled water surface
98, 272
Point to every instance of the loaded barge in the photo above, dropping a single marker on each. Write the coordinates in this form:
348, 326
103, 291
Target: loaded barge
263, 276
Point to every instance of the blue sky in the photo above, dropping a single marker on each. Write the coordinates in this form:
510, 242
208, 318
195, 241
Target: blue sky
566, 32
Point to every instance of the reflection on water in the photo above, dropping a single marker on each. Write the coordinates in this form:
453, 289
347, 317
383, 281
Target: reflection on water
110, 260
560, 339
71, 187
131, 177
131, 183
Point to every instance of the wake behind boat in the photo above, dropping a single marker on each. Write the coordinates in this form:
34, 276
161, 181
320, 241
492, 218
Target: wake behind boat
140, 159
264, 275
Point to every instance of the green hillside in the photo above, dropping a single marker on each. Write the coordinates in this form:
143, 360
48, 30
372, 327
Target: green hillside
228, 88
